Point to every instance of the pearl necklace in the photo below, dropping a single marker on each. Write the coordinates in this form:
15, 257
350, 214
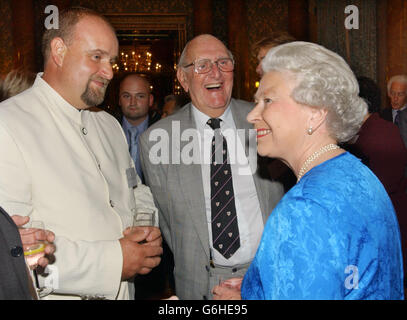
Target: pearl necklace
314, 156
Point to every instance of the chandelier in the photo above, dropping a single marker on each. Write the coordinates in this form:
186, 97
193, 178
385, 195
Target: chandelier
136, 60
139, 59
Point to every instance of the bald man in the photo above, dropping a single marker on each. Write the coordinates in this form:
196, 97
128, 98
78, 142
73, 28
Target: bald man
135, 101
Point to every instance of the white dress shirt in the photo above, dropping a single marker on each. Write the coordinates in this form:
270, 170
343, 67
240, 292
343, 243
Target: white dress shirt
248, 211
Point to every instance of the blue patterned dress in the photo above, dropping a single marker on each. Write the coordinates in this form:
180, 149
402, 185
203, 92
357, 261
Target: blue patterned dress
334, 235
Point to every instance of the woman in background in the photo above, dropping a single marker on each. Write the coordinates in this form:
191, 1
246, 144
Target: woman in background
15, 82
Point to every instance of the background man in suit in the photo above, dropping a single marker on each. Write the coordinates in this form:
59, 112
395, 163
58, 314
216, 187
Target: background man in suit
397, 92
185, 193
68, 165
402, 123
15, 282
135, 101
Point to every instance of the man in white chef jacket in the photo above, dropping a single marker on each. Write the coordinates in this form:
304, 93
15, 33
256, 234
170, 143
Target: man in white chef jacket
68, 165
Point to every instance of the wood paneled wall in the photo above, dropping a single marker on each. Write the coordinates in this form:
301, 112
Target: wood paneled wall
378, 49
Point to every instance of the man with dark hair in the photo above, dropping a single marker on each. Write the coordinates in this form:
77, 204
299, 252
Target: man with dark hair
262, 46
68, 165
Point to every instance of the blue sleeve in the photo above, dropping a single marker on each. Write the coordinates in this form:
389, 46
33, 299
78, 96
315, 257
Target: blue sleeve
299, 256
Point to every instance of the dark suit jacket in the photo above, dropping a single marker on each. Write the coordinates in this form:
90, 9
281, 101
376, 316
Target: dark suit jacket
386, 114
381, 148
403, 125
13, 272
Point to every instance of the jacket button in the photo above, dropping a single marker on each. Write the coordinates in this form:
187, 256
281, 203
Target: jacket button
17, 251
207, 268
111, 203
84, 131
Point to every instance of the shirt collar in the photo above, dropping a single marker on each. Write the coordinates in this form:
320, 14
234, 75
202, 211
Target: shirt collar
201, 118
401, 109
140, 128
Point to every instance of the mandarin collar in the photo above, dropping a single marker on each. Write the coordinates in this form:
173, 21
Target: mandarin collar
55, 100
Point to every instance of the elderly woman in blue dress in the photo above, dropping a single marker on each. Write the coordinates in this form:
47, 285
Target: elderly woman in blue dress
334, 235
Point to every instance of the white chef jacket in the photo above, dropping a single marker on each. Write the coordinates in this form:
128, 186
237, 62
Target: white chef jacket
72, 170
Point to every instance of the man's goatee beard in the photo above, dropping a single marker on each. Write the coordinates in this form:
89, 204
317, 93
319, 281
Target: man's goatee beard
93, 98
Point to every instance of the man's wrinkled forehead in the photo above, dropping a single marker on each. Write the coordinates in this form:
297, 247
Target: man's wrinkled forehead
206, 47
398, 86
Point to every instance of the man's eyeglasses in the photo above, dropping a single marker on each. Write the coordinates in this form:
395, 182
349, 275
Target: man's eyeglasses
205, 65
397, 94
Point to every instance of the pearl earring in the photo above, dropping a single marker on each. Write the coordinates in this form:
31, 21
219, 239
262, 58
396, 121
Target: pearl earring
309, 131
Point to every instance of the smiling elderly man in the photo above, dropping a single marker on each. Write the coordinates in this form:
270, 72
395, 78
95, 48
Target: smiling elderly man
397, 92
211, 215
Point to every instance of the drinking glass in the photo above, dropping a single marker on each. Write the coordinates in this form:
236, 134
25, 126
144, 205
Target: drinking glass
34, 249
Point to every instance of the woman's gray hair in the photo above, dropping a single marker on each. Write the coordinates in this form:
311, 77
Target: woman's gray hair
324, 80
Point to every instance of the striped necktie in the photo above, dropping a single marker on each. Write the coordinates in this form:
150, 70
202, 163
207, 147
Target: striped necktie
225, 230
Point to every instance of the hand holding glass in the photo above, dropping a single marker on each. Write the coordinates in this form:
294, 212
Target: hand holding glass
33, 235
34, 248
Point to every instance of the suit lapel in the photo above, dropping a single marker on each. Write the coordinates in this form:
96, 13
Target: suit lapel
190, 178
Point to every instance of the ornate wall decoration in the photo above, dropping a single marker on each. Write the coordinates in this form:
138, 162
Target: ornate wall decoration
220, 21
6, 38
362, 42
